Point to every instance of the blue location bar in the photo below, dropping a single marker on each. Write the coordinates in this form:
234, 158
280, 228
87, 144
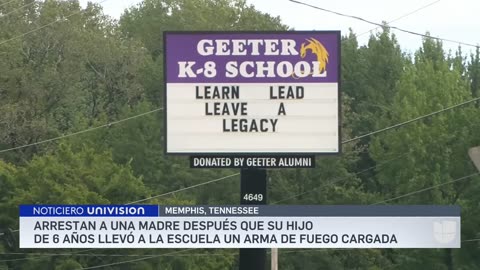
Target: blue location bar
89, 210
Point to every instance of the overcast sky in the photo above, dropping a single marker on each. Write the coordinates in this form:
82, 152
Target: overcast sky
455, 20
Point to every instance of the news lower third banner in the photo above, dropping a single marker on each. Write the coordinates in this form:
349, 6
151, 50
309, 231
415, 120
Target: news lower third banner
265, 226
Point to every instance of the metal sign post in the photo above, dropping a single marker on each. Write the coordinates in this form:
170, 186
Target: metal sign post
253, 190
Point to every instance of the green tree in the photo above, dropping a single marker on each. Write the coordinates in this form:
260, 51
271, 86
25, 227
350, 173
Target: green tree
151, 18
436, 146
474, 73
66, 176
56, 77
371, 75
369, 78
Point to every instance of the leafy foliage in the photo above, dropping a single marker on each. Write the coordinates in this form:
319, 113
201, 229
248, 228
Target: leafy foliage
88, 70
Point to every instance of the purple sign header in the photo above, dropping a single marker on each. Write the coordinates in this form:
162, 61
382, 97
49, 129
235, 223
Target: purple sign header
256, 57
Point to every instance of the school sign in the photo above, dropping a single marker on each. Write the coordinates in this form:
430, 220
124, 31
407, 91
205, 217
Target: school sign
252, 92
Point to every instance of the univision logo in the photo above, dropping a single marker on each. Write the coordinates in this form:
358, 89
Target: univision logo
444, 231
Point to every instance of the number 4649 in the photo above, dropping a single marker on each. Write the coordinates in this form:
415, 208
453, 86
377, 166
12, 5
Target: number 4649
253, 197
